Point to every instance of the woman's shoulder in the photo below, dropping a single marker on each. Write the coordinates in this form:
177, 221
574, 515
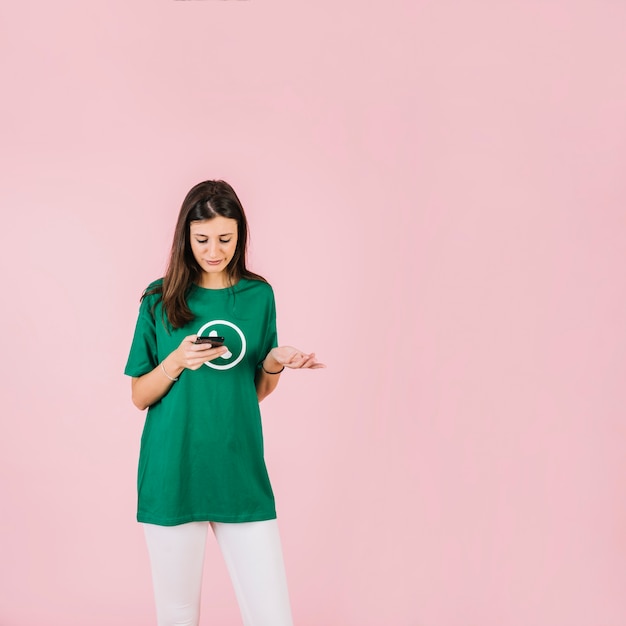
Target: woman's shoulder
155, 287
155, 284
152, 293
260, 287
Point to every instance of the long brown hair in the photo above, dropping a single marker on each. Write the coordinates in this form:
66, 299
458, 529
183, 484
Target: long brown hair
203, 202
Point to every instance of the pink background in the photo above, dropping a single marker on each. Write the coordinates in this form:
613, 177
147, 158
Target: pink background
436, 191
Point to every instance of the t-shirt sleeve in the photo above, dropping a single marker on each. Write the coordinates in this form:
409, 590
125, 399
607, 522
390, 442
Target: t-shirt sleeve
271, 335
143, 351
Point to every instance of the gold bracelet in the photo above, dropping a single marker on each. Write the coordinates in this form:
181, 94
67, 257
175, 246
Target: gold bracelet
163, 368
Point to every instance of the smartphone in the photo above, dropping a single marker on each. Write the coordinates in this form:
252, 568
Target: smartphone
215, 342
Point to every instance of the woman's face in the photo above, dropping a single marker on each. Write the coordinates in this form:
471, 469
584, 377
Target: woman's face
213, 243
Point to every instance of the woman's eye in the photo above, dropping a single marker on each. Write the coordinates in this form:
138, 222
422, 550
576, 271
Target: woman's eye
203, 241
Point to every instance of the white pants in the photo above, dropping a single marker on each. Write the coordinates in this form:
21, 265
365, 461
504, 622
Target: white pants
254, 559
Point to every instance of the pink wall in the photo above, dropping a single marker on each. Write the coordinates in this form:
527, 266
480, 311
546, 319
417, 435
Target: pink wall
448, 176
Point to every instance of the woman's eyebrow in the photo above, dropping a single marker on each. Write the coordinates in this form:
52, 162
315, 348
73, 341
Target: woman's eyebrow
197, 234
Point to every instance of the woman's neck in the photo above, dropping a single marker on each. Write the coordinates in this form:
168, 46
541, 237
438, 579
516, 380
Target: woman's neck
214, 281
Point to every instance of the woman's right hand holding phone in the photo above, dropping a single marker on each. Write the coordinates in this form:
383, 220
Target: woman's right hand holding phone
191, 355
151, 387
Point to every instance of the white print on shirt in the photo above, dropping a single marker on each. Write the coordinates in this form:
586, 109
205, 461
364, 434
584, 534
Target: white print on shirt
234, 341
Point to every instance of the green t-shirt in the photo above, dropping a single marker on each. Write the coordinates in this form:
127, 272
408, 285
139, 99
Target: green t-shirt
201, 452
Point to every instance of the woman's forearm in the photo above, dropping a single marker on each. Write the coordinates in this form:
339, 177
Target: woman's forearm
151, 387
266, 383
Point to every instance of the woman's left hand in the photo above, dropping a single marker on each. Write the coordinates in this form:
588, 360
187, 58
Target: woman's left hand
291, 357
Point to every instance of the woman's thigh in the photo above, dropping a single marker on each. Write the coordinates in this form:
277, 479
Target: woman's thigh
253, 555
177, 559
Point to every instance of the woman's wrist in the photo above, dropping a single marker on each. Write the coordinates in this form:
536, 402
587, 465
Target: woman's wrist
271, 366
171, 368
166, 374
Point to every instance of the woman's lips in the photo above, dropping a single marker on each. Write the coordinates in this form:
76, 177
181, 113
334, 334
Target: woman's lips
213, 262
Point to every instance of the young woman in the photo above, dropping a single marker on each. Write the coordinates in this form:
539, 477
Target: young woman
201, 461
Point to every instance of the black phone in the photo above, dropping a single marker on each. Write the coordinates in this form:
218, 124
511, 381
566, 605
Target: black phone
215, 342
